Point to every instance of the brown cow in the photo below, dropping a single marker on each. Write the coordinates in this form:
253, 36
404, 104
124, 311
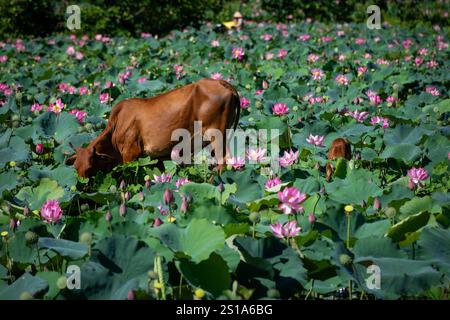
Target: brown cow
340, 148
144, 126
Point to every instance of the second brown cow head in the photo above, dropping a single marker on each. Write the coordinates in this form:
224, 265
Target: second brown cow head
88, 161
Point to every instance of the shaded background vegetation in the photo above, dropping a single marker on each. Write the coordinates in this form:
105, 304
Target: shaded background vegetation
130, 17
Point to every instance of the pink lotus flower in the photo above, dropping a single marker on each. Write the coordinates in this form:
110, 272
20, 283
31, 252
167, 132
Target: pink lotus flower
216, 76
269, 55
341, 79
361, 70
124, 76
70, 50
359, 116
163, 210
145, 35
51, 212
36, 107
433, 91
288, 158
236, 162
162, 178
417, 175
374, 98
315, 140
317, 74
384, 122
259, 92
423, 51
290, 199
282, 53
109, 84
272, 183
79, 55
288, 230
432, 64
390, 99
280, 109
215, 43
56, 107
244, 102
257, 155
181, 182
141, 80
83, 90
312, 57
360, 41
79, 114
104, 98
266, 37
304, 37
3, 58
238, 53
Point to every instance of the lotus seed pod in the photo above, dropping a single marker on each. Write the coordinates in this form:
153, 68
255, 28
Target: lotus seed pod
249, 109
254, 217
199, 293
113, 189
86, 238
248, 86
15, 117
26, 296
391, 212
147, 178
152, 274
273, 293
88, 126
84, 207
31, 237
61, 283
73, 188
295, 108
345, 259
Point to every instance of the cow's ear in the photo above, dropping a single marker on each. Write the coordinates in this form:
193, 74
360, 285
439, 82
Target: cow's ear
71, 160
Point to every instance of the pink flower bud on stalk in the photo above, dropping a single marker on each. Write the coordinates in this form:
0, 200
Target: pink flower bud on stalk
108, 216
157, 222
184, 204
39, 148
122, 209
168, 196
311, 218
376, 203
131, 295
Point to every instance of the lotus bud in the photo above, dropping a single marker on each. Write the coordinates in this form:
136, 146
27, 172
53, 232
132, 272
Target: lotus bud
122, 185
126, 196
12, 224
108, 216
157, 222
184, 204
122, 209
311, 218
26, 211
141, 196
317, 166
376, 203
168, 196
411, 184
147, 184
39, 148
220, 187
131, 295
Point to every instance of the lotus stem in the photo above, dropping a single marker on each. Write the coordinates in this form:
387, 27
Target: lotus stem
160, 277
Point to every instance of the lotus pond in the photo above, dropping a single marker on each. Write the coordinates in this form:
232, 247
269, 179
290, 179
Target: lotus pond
379, 229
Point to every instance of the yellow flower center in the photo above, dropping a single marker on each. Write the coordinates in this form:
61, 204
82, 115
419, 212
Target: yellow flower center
199, 293
348, 208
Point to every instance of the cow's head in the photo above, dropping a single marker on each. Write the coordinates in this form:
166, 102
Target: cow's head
88, 161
